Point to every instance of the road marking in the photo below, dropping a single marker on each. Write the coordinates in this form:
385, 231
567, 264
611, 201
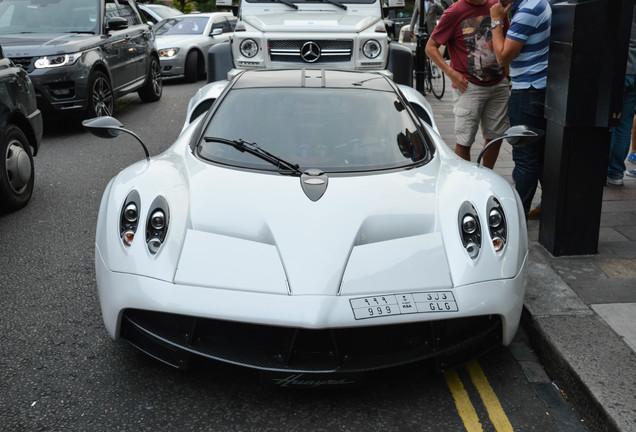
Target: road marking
488, 396
464, 407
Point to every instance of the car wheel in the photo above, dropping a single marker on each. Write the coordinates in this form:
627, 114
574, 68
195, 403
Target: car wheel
100, 96
191, 72
151, 91
16, 169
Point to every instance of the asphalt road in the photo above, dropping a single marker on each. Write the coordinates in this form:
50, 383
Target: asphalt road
60, 371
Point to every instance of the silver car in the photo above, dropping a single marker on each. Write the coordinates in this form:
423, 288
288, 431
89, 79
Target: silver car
183, 42
153, 13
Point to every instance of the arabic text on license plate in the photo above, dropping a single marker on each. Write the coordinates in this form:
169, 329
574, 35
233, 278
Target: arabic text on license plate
397, 304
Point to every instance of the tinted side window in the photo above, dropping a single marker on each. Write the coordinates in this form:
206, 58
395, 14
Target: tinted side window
231, 24
219, 24
124, 10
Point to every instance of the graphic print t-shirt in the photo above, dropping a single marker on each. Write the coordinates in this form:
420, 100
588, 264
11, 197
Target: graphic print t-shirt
465, 30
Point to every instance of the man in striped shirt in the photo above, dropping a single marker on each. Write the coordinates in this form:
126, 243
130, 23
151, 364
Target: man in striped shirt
525, 48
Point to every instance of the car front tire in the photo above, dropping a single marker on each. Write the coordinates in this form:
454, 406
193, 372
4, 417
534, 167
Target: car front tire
191, 72
16, 170
100, 96
151, 91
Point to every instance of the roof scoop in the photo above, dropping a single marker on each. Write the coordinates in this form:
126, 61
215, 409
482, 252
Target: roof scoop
314, 183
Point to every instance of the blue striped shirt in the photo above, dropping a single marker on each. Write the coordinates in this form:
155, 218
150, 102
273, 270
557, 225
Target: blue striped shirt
530, 25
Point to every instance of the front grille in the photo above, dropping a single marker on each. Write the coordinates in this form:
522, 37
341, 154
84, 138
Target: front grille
25, 63
331, 51
170, 338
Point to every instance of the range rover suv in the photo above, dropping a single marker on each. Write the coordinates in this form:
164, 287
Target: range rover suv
81, 54
20, 135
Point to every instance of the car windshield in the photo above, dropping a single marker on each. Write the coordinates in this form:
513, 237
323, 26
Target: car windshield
163, 11
181, 26
48, 16
332, 129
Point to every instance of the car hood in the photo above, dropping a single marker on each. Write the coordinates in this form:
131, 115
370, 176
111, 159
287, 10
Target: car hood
175, 41
307, 22
38, 44
363, 232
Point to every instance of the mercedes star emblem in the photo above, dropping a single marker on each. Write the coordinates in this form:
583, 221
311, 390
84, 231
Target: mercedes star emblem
310, 52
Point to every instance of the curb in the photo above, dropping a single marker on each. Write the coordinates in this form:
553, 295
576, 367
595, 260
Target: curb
579, 351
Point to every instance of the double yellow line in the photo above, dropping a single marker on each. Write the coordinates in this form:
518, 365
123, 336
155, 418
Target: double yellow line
465, 407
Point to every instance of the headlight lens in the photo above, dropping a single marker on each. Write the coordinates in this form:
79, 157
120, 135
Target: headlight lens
129, 218
497, 224
157, 224
56, 60
249, 48
371, 49
168, 52
469, 229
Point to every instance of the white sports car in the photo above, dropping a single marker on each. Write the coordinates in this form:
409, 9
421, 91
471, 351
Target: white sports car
307, 222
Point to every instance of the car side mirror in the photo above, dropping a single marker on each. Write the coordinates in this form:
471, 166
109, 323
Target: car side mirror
110, 127
117, 23
216, 32
517, 136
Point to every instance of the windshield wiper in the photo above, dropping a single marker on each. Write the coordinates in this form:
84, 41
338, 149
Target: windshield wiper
287, 2
335, 2
241, 145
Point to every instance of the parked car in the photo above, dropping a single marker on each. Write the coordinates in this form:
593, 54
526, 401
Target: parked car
309, 222
81, 54
20, 135
183, 42
153, 13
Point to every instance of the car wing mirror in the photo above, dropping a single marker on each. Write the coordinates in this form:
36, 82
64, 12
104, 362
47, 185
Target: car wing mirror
517, 136
117, 23
110, 127
216, 32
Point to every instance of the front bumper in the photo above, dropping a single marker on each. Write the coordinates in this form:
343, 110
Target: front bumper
301, 333
63, 89
173, 66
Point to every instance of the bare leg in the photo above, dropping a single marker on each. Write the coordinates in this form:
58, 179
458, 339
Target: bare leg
462, 151
490, 156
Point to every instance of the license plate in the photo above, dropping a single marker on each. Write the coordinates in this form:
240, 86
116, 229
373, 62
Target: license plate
398, 304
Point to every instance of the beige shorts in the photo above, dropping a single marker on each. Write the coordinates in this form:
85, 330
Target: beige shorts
481, 105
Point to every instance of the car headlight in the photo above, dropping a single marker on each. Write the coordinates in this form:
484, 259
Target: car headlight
129, 218
56, 60
168, 52
470, 229
371, 48
157, 224
249, 48
497, 224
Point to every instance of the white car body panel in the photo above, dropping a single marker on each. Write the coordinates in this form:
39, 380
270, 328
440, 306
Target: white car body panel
250, 247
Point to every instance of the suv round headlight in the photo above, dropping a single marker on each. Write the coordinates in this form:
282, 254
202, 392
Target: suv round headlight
372, 48
249, 48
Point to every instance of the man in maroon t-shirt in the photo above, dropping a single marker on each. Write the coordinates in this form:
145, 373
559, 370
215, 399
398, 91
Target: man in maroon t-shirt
480, 92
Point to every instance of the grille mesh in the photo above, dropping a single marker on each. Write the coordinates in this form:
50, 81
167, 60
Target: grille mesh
332, 51
275, 348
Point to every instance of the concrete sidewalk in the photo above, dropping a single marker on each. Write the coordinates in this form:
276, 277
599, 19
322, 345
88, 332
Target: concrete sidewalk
580, 311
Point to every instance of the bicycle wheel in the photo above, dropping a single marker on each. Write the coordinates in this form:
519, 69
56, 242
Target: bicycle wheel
438, 81
427, 77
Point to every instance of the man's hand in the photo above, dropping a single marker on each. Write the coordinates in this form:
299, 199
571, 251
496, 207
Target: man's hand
458, 80
498, 11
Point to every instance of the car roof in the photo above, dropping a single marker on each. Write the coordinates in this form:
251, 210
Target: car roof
312, 78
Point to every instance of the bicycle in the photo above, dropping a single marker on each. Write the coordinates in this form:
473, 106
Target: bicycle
434, 79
